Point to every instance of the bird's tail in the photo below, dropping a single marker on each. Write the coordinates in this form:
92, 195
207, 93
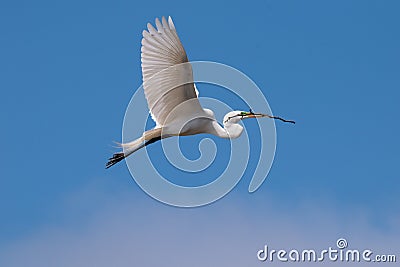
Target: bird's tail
148, 137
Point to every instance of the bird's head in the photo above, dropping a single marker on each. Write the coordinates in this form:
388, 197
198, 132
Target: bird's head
238, 115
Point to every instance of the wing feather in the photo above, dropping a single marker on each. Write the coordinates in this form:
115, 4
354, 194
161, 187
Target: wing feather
167, 73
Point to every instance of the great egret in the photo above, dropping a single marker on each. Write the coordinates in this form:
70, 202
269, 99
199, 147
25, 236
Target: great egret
172, 96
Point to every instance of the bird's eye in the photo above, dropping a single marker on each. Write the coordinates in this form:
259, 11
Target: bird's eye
243, 113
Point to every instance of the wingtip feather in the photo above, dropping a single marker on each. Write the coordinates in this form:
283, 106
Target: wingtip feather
159, 25
151, 28
164, 23
171, 23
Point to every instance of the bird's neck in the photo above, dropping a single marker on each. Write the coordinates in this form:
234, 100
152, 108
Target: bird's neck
229, 131
233, 130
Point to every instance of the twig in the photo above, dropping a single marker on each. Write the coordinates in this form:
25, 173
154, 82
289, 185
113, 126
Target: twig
279, 118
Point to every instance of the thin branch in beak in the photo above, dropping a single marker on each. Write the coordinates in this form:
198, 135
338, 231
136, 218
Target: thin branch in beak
251, 114
276, 118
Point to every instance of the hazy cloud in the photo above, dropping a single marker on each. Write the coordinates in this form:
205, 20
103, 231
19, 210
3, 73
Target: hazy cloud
130, 231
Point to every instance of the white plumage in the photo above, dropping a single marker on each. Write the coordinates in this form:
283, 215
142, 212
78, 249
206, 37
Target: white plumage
171, 94
161, 50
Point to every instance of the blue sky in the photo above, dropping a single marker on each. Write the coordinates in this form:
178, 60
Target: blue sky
68, 70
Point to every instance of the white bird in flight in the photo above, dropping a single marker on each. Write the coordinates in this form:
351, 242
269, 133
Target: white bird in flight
172, 95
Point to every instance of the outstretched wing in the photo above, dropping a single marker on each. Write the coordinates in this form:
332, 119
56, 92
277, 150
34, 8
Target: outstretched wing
167, 73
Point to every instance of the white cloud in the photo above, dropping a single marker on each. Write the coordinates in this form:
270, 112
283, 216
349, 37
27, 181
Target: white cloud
135, 231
